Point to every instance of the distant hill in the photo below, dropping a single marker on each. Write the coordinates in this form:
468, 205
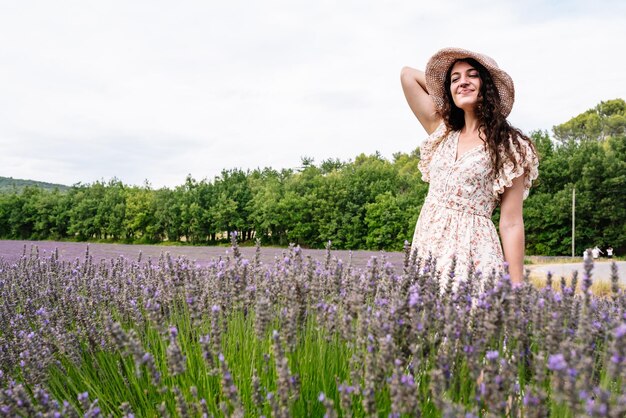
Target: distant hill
8, 184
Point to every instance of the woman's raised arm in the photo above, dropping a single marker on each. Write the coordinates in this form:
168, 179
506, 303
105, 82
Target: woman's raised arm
414, 87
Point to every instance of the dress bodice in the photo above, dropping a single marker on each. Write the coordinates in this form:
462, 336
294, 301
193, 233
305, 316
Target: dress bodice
464, 184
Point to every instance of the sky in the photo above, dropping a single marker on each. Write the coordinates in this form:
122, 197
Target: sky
158, 90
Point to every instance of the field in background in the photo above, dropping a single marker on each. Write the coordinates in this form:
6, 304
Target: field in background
12, 250
201, 255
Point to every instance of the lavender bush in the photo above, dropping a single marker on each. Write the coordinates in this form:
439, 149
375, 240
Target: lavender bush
300, 337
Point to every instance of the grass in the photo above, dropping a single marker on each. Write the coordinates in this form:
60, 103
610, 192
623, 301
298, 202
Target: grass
319, 361
113, 377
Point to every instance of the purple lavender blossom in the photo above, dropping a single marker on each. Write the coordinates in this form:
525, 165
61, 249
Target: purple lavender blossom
620, 331
557, 362
173, 332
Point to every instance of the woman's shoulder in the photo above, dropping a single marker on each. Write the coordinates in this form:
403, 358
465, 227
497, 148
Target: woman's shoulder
519, 148
518, 158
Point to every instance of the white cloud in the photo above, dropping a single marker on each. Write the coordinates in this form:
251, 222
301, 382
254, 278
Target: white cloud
157, 90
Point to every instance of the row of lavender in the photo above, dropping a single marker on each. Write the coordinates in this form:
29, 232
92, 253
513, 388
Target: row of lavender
301, 337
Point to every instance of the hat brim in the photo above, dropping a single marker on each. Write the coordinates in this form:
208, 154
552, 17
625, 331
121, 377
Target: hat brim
439, 64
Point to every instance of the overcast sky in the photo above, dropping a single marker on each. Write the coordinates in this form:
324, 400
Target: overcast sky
155, 90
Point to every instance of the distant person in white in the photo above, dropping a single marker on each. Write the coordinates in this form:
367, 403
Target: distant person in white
609, 252
596, 252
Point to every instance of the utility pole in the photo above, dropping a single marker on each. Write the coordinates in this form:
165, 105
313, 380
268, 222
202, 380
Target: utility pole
573, 222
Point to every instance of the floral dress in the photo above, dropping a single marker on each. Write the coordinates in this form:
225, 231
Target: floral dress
456, 216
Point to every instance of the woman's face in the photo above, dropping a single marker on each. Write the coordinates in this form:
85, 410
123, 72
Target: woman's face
465, 84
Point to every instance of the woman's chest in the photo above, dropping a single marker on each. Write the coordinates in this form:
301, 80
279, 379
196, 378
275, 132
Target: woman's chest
467, 168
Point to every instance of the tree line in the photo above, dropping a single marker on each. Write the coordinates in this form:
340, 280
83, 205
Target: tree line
367, 203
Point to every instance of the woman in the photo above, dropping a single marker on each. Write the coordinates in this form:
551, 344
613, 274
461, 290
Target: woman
474, 160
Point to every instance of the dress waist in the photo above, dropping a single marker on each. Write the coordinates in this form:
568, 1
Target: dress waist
461, 205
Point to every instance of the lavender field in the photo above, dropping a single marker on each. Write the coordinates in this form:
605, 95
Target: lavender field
12, 250
259, 332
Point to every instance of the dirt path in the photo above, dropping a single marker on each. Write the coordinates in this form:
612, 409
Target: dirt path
601, 270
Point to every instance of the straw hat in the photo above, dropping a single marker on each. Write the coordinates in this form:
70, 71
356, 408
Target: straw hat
440, 63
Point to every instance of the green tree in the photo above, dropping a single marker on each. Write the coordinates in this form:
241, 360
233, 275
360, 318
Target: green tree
112, 209
298, 204
588, 155
232, 203
267, 190
363, 180
606, 119
385, 223
140, 215
167, 214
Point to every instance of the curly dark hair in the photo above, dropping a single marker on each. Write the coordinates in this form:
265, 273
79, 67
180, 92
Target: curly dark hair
494, 130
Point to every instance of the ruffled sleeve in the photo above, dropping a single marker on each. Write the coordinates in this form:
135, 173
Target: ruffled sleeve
526, 166
427, 150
